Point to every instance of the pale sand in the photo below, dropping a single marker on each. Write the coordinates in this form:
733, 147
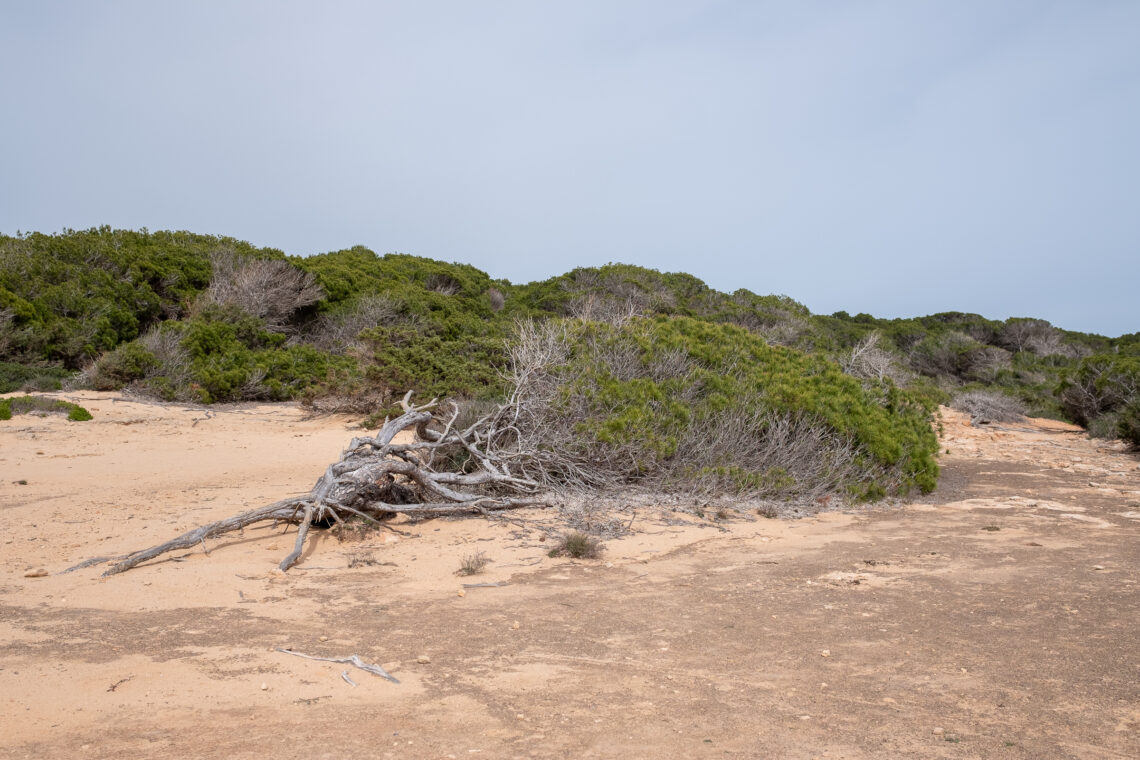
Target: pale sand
190, 643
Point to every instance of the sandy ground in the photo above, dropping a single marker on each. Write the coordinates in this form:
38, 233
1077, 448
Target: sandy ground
997, 618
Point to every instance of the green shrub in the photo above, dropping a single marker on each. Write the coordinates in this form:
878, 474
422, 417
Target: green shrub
40, 404
1128, 423
467, 367
677, 402
123, 365
78, 414
1105, 426
78, 294
16, 377
219, 355
1098, 385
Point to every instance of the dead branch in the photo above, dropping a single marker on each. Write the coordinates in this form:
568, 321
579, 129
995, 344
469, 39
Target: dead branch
376, 478
350, 660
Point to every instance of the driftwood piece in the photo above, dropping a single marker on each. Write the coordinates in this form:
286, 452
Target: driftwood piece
370, 469
350, 660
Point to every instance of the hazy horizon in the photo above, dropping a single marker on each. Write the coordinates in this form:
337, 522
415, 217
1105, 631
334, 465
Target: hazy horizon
893, 158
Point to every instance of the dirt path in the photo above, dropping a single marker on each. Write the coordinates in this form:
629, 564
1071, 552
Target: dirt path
999, 618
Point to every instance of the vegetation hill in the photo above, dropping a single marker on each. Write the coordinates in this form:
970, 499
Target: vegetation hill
655, 356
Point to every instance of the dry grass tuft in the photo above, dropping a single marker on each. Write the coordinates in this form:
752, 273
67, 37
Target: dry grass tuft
473, 564
577, 545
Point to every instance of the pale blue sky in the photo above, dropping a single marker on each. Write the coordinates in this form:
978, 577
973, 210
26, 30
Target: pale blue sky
898, 158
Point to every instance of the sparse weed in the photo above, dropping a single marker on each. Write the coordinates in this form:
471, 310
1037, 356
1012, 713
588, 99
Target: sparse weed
577, 545
473, 564
362, 559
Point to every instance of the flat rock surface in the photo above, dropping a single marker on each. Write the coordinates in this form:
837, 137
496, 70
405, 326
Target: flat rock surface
998, 617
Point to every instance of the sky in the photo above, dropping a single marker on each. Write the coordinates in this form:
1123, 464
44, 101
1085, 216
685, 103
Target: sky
897, 158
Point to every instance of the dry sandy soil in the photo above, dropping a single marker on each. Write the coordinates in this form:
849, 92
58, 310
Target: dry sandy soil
997, 618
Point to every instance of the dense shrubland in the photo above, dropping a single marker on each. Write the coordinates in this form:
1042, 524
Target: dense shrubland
685, 405
66, 299
658, 379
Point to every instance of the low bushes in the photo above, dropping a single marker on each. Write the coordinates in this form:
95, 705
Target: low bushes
989, 406
17, 377
1128, 423
1103, 394
220, 355
685, 405
41, 405
77, 294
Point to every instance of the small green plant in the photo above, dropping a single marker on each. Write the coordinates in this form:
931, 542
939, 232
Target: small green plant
78, 414
577, 545
473, 564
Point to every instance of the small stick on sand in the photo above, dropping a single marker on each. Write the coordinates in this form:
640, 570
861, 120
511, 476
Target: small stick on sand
350, 660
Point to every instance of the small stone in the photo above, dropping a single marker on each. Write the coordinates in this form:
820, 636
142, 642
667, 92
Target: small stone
937, 732
423, 659
324, 638
1098, 567
825, 653
515, 626
264, 686
461, 592
39, 572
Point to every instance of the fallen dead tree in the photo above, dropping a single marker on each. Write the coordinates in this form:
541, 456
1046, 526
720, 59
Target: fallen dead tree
376, 478
594, 409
